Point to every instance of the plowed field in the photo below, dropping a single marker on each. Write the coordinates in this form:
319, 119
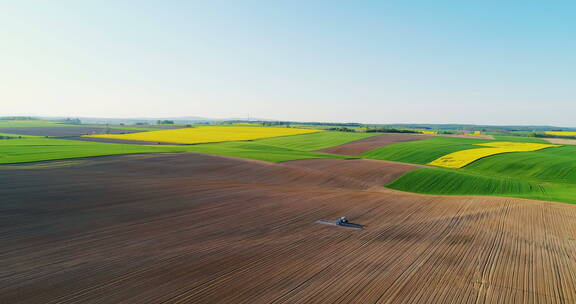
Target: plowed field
189, 228
370, 173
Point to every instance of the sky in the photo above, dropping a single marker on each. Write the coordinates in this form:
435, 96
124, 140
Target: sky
479, 62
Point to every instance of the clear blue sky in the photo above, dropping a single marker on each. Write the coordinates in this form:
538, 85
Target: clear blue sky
485, 62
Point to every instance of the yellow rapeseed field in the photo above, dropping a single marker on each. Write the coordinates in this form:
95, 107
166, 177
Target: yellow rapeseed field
207, 134
462, 158
560, 133
429, 132
476, 133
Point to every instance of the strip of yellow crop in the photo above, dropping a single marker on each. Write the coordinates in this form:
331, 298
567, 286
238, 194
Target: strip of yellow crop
476, 133
207, 134
429, 132
560, 133
462, 158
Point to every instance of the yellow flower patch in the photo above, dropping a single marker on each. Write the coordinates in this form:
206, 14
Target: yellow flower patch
560, 133
207, 134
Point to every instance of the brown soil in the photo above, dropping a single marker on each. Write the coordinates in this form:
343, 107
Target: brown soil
188, 228
371, 173
366, 144
561, 141
62, 131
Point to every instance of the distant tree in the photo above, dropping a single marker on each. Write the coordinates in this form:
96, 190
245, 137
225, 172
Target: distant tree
390, 130
341, 129
165, 122
72, 121
18, 118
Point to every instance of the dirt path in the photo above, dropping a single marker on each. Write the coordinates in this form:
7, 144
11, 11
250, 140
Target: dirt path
188, 228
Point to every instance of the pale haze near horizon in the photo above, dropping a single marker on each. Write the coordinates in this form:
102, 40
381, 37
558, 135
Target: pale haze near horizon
489, 62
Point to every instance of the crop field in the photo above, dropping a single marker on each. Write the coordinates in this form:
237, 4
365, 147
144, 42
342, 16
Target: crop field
423, 151
63, 131
364, 145
30, 123
316, 141
560, 133
32, 149
235, 221
561, 141
520, 139
429, 132
26, 149
450, 182
462, 158
208, 229
548, 174
207, 134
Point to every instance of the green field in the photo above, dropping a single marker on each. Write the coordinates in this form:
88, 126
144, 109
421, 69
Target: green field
422, 151
520, 139
548, 174
15, 135
315, 141
32, 148
31, 123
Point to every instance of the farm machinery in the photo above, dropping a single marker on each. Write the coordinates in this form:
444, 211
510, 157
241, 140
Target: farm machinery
341, 222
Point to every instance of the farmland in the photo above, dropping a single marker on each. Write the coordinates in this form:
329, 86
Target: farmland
462, 158
63, 131
561, 133
235, 221
549, 174
26, 149
423, 151
217, 230
207, 134
367, 144
30, 123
